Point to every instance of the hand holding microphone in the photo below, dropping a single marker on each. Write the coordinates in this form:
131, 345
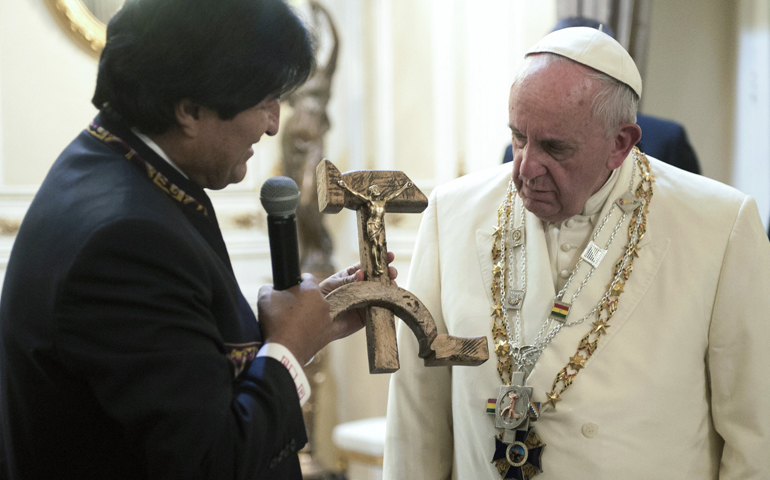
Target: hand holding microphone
296, 318
299, 319
280, 197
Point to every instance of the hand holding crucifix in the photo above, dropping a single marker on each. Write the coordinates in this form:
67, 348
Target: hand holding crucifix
389, 191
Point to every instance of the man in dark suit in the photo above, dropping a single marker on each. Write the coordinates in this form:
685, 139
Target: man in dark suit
665, 140
128, 349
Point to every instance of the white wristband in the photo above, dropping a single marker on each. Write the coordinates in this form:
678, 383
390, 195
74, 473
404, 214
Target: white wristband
287, 359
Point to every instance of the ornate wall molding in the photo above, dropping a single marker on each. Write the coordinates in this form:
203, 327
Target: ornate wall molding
80, 24
9, 227
14, 202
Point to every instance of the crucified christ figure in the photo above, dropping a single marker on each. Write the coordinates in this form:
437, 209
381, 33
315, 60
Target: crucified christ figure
509, 410
375, 212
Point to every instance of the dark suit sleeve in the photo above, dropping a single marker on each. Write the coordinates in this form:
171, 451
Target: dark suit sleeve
683, 153
135, 319
667, 141
508, 155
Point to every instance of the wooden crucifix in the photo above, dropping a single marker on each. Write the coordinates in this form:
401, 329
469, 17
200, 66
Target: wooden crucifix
372, 193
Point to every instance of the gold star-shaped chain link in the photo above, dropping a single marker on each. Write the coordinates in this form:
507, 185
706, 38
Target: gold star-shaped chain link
553, 398
503, 349
600, 327
577, 362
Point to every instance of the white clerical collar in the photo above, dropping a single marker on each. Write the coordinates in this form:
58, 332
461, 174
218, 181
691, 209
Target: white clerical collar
596, 202
156, 148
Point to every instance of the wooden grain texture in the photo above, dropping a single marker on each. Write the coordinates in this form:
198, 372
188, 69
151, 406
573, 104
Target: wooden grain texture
436, 349
332, 198
372, 193
381, 340
449, 350
380, 322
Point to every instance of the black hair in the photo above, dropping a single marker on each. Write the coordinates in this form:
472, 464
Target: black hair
226, 55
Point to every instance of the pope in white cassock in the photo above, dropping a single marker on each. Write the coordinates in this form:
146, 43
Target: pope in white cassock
627, 301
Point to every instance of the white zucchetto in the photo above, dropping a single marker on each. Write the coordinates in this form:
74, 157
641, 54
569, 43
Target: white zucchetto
594, 49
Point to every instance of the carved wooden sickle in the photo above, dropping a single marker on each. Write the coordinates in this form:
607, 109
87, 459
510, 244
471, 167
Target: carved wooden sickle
376, 294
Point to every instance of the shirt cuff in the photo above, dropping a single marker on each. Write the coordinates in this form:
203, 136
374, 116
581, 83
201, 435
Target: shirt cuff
283, 355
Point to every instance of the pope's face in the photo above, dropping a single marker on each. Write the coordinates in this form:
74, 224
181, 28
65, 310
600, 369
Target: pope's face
560, 152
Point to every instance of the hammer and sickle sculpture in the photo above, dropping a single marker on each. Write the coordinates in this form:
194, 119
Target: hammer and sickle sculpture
372, 193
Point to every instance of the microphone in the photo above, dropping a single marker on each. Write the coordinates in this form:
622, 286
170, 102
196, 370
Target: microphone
280, 197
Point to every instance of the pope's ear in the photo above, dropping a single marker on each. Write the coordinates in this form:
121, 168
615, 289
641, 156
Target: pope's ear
188, 116
628, 135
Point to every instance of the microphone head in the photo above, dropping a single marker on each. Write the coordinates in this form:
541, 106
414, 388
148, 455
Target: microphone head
279, 196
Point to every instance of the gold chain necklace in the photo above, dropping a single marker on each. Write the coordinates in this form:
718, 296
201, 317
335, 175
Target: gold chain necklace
518, 449
609, 303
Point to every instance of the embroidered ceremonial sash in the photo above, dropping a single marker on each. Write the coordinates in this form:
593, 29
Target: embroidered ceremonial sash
160, 180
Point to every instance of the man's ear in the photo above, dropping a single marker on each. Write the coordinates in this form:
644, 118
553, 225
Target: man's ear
628, 135
188, 116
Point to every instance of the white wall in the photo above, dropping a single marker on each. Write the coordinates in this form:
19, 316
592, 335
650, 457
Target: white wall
46, 83
751, 169
690, 75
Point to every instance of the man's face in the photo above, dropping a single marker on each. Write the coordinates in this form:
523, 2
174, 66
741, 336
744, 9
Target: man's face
225, 145
560, 152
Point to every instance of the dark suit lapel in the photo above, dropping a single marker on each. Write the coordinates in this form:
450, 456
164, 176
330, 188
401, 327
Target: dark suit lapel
168, 180
174, 187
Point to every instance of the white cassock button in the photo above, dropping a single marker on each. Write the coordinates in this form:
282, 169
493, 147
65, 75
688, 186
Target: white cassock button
590, 430
569, 223
564, 274
565, 247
